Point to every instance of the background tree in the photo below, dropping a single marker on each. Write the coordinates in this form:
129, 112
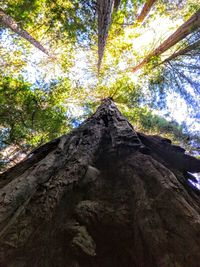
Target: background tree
145, 10
191, 25
12, 24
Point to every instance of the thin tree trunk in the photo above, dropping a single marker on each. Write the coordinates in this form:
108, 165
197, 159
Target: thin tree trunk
184, 51
9, 22
145, 10
104, 11
104, 196
116, 4
184, 30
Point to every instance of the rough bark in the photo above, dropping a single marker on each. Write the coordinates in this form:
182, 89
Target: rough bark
145, 10
184, 30
9, 22
102, 195
104, 12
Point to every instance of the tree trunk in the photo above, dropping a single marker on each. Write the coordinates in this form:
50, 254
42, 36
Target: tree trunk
184, 30
116, 4
104, 11
188, 49
104, 196
145, 10
9, 22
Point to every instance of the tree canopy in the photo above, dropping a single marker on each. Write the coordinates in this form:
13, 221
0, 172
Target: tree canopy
60, 58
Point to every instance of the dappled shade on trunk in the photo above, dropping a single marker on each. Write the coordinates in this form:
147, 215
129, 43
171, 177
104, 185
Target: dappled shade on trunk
103, 195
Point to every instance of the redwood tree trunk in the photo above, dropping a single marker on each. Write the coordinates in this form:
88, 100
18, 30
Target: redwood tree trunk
145, 10
9, 22
104, 196
104, 11
184, 30
185, 51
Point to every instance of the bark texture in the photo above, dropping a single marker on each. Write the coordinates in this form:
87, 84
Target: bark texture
104, 196
145, 10
9, 22
184, 30
104, 12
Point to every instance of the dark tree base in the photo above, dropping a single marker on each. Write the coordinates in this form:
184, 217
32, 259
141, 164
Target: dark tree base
101, 196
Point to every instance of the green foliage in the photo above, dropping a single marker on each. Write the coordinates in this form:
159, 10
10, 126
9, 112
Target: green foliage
29, 116
56, 18
146, 121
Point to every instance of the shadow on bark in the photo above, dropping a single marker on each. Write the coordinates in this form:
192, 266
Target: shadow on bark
101, 196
